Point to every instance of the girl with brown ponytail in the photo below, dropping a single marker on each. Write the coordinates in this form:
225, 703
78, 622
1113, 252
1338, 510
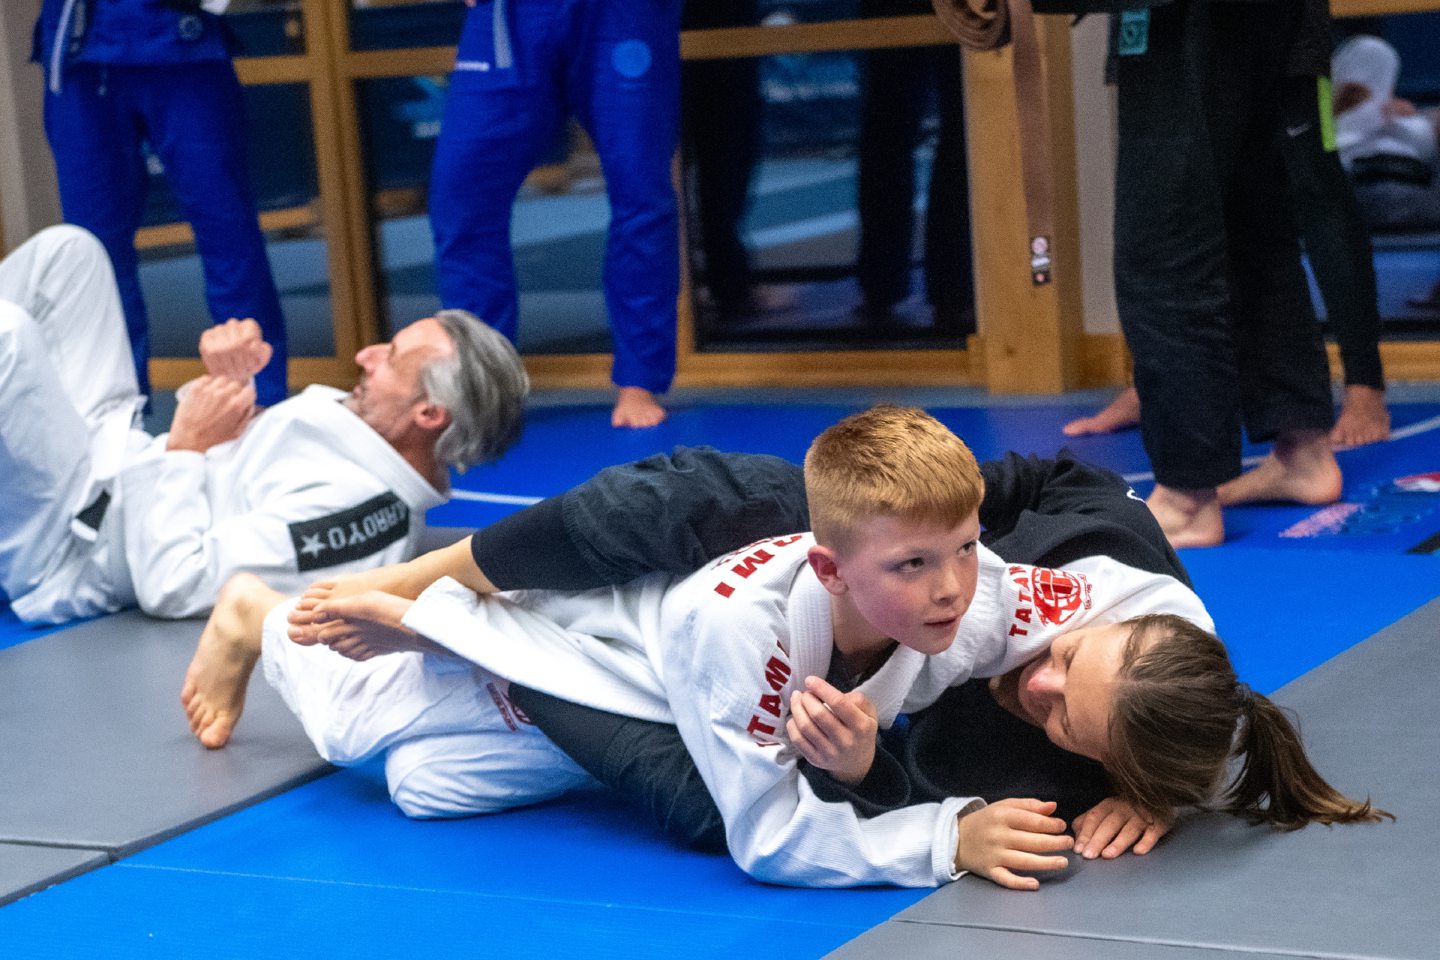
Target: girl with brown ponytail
1180, 715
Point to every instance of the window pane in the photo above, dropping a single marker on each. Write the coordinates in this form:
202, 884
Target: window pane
827, 200
282, 159
266, 28
396, 24
557, 227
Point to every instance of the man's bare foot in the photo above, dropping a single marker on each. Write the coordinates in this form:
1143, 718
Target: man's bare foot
369, 625
1300, 468
1190, 518
636, 407
213, 694
1363, 418
1122, 412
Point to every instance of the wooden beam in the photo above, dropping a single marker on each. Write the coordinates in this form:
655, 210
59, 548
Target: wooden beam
1380, 8
1032, 334
871, 34
168, 373
408, 62
257, 71
339, 169
840, 368
304, 217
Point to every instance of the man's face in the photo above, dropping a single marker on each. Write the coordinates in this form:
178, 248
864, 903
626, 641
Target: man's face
1070, 689
389, 392
911, 581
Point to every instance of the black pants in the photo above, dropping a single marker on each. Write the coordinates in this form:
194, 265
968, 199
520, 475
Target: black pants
1337, 240
898, 84
722, 135
1208, 283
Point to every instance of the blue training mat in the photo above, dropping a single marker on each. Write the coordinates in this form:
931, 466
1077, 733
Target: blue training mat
333, 862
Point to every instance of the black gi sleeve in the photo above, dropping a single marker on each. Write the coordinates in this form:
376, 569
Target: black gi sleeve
1054, 512
670, 512
887, 786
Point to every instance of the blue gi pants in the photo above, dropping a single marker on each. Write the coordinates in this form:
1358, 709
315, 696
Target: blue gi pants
190, 113
523, 65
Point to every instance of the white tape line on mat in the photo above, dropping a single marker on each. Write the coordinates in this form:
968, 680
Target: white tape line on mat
476, 496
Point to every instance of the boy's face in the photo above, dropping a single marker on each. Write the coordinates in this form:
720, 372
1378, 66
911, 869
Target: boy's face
911, 582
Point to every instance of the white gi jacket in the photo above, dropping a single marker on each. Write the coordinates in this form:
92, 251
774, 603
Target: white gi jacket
720, 652
308, 490
88, 504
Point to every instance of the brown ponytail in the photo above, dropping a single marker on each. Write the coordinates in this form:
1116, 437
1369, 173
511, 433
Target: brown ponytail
1276, 769
1178, 707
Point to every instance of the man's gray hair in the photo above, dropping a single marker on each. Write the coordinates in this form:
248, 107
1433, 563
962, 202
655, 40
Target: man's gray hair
482, 384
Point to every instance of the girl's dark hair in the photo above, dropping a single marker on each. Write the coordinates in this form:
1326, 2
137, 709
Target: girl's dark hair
1180, 714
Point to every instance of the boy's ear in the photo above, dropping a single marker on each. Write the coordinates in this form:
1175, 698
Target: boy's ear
827, 568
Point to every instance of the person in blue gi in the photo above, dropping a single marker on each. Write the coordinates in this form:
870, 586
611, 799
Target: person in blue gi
123, 73
522, 66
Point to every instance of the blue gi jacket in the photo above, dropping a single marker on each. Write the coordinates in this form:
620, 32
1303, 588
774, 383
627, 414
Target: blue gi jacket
125, 32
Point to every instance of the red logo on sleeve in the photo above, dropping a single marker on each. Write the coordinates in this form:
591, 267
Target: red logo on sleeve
1059, 595
1051, 596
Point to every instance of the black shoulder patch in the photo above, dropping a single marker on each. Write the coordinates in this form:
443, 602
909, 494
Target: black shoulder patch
350, 534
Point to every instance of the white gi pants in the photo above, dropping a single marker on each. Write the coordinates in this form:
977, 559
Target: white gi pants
68, 400
453, 743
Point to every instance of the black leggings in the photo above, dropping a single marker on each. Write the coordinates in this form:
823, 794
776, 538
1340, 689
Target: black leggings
1336, 238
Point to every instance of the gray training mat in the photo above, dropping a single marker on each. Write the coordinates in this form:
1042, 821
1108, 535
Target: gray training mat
25, 869
1369, 722
98, 751
921, 941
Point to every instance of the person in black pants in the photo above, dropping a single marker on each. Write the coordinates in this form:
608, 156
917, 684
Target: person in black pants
897, 90
1333, 229
1210, 293
722, 135
1332, 226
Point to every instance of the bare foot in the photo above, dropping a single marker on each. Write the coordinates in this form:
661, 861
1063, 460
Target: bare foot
1301, 468
369, 625
1123, 412
636, 407
1190, 518
406, 580
213, 694
1363, 418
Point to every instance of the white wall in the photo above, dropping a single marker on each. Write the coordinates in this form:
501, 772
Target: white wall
1095, 135
28, 197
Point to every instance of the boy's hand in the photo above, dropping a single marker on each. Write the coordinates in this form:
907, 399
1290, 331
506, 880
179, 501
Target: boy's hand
835, 731
213, 410
235, 349
1113, 826
1012, 835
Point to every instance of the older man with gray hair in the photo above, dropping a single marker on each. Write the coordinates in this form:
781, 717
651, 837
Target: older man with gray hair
97, 515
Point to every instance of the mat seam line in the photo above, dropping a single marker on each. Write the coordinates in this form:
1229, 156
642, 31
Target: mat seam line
450, 891
109, 852
1153, 941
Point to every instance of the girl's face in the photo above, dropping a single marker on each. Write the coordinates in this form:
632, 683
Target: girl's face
1069, 690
